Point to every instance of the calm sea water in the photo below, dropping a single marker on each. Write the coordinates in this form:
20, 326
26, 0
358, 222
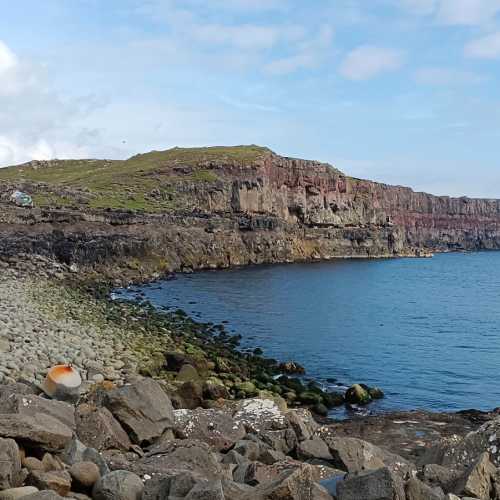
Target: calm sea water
427, 331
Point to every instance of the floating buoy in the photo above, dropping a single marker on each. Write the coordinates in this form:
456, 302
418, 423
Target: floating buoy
62, 382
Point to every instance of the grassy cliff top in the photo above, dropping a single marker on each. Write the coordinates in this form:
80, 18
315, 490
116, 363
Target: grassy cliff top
125, 184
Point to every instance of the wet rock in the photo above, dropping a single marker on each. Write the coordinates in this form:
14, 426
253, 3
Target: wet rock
41, 430
477, 480
85, 474
313, 448
291, 368
10, 464
143, 409
355, 455
97, 428
16, 493
379, 484
417, 490
58, 481
118, 485
357, 394
214, 427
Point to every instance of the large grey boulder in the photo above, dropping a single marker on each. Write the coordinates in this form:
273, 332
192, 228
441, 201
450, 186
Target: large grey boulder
379, 484
214, 427
439, 476
314, 448
10, 464
118, 485
180, 455
16, 493
97, 428
31, 405
355, 455
302, 422
40, 429
143, 409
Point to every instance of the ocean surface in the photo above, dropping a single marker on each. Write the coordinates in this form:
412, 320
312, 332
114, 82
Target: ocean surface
427, 331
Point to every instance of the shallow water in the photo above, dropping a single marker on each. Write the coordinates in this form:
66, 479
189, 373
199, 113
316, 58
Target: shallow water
427, 331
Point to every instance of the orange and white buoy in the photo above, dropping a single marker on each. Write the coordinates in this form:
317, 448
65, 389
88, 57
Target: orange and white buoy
62, 382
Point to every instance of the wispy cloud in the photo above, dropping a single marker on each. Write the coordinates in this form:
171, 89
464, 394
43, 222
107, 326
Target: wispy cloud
440, 76
368, 61
487, 47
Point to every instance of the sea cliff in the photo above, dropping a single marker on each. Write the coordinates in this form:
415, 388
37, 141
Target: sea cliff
217, 207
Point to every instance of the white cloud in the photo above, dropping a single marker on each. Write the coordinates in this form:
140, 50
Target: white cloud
35, 122
487, 47
467, 12
369, 61
446, 76
454, 12
310, 53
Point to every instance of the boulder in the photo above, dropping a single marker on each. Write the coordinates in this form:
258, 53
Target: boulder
477, 481
214, 427
417, 490
191, 395
247, 388
58, 481
188, 373
76, 452
85, 474
248, 448
298, 484
214, 389
379, 484
283, 440
237, 491
313, 448
40, 430
118, 485
176, 456
44, 495
206, 490
355, 455
16, 493
97, 428
302, 422
143, 409
258, 415
31, 405
356, 394
440, 476
10, 464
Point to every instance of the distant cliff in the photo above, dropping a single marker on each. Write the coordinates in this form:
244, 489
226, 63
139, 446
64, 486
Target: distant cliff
217, 207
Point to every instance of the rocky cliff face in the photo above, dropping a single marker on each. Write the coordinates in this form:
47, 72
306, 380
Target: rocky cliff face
273, 209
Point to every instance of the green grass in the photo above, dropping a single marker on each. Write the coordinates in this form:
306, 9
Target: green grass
125, 184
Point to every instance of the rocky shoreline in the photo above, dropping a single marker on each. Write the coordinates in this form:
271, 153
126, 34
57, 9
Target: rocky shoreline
170, 409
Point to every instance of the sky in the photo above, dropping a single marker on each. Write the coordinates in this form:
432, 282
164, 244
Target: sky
399, 91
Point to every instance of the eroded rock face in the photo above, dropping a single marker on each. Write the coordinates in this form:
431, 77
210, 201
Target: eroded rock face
274, 210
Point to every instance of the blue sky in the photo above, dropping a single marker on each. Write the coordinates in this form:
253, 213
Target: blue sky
400, 91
